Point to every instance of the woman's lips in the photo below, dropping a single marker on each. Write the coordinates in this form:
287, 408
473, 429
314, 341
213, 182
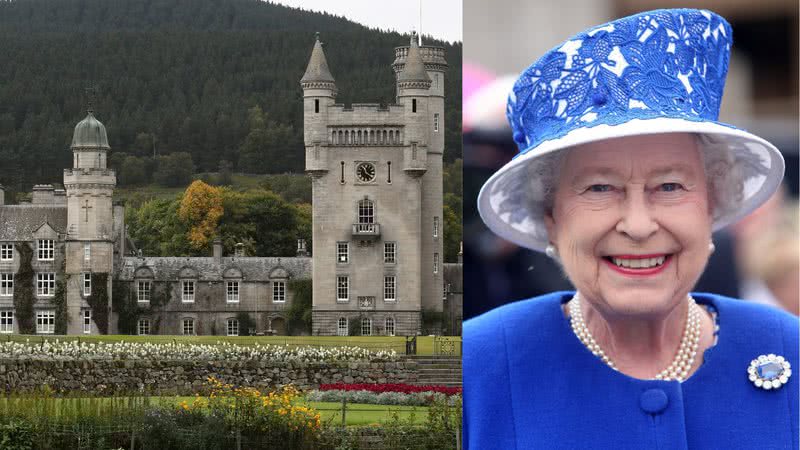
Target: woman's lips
638, 265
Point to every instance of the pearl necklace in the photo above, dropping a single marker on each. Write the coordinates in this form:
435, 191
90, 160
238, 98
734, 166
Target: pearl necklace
684, 359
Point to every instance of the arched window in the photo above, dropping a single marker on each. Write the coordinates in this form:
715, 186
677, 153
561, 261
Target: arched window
341, 328
366, 326
340, 141
333, 137
391, 136
366, 211
359, 138
390, 326
347, 136
371, 136
384, 137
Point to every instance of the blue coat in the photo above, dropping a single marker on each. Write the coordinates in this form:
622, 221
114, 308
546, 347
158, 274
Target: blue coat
529, 383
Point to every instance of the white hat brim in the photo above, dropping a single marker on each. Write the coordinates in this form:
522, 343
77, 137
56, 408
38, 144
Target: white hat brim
507, 211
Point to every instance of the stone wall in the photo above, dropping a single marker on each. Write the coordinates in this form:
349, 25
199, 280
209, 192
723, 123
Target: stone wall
102, 377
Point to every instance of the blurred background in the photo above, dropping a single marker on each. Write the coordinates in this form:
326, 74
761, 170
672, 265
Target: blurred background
757, 259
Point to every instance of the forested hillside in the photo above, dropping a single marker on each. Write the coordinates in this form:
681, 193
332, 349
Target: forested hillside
181, 76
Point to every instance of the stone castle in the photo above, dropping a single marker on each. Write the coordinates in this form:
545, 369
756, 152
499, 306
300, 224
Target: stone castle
377, 259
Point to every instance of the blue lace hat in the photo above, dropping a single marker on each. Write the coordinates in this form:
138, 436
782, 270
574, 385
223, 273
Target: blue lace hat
655, 72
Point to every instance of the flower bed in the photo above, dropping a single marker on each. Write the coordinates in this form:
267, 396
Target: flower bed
73, 350
426, 398
390, 387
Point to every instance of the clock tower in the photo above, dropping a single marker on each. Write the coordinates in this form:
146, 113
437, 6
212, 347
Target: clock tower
377, 197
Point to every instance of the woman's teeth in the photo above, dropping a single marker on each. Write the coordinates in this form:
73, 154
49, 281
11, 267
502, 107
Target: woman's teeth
642, 263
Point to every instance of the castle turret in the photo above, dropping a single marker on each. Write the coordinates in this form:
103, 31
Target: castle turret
413, 84
319, 92
90, 224
420, 79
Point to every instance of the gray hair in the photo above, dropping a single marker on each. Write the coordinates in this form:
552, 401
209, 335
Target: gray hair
724, 178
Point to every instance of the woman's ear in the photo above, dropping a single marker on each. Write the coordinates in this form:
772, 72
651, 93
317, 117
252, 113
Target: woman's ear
550, 225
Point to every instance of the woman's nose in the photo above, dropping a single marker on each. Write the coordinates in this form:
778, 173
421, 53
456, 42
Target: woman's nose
637, 220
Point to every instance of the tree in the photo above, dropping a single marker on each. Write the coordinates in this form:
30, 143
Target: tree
133, 172
452, 234
225, 178
174, 170
201, 208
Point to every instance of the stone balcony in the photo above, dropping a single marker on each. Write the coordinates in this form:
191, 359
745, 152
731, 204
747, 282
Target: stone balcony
366, 230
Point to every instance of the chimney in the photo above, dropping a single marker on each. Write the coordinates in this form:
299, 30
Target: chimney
461, 252
239, 251
43, 194
217, 246
60, 197
301, 248
2, 195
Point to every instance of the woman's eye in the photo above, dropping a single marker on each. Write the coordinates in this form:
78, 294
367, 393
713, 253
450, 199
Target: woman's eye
600, 188
670, 187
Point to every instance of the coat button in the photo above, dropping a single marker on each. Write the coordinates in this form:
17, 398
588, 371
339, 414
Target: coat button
654, 401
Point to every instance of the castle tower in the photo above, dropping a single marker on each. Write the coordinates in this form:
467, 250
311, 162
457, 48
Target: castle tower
420, 76
373, 246
89, 245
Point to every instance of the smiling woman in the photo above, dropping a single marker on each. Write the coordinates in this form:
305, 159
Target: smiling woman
623, 174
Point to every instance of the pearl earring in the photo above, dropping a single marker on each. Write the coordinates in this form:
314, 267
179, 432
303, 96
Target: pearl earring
550, 251
711, 247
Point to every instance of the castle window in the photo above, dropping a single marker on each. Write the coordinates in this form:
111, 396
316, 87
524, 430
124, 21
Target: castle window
46, 249
389, 171
390, 326
87, 321
413, 151
413, 105
87, 284
45, 284
6, 252
143, 327
436, 226
232, 292
87, 252
188, 326
390, 288
389, 252
188, 292
341, 327
371, 136
232, 327
143, 291
391, 136
436, 123
342, 289
340, 140
6, 284
46, 321
342, 179
435, 263
278, 292
7, 321
366, 211
316, 105
342, 252
383, 141
366, 326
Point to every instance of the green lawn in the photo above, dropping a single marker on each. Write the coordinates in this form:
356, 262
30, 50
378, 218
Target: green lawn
356, 413
396, 343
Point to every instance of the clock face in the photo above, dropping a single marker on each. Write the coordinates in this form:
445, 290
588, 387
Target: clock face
365, 172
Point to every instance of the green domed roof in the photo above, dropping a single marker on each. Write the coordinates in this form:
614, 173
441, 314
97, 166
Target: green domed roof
89, 132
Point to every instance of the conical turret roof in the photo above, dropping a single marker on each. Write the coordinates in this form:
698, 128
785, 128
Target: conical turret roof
90, 132
317, 69
414, 69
